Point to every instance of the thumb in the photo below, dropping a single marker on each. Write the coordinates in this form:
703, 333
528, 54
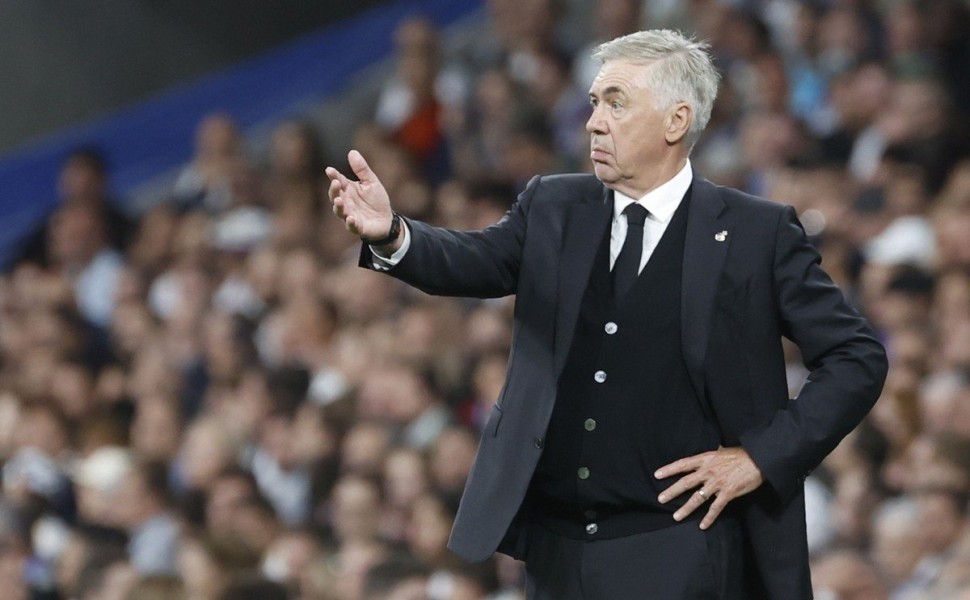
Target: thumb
360, 167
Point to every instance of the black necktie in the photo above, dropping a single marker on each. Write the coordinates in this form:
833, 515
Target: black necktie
627, 265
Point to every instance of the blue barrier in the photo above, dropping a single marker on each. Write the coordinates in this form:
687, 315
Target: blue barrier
154, 136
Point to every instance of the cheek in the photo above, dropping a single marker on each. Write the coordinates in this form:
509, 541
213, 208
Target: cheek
627, 146
641, 144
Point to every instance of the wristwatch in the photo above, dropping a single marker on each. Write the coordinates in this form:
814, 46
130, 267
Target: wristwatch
391, 235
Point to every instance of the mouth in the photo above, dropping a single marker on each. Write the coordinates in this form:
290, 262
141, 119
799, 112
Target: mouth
599, 155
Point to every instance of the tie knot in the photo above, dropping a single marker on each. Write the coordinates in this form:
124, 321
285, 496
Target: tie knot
635, 214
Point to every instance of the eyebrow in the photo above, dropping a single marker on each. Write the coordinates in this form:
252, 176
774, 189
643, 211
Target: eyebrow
613, 89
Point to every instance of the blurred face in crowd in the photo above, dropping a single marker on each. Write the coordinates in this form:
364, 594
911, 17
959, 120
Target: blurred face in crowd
405, 477
152, 246
842, 35
770, 84
917, 110
488, 330
256, 525
290, 150
940, 521
131, 328
81, 181
848, 577
417, 43
69, 564
427, 534
522, 24
952, 239
226, 496
952, 295
290, 555
40, 428
356, 509
313, 436
276, 438
135, 502
76, 235
853, 503
217, 137
895, 547
207, 450
768, 138
71, 389
617, 17
364, 448
866, 95
198, 570
119, 578
630, 138
396, 393
157, 428
355, 558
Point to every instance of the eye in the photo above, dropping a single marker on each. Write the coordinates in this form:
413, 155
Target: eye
593, 102
615, 105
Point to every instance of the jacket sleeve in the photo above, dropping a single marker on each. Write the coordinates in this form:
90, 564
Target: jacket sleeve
847, 365
479, 264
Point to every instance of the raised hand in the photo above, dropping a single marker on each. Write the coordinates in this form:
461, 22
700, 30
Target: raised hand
363, 204
723, 474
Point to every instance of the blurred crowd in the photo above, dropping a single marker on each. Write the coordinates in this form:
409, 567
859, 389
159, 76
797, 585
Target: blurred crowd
211, 401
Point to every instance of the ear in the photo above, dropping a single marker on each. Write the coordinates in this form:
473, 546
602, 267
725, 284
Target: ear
677, 123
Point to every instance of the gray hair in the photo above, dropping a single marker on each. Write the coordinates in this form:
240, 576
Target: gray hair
682, 71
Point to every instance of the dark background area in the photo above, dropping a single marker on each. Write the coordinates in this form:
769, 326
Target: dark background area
63, 62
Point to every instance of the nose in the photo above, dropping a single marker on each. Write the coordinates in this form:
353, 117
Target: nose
596, 124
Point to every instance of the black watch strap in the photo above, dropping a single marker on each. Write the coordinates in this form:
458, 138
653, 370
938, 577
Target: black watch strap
391, 235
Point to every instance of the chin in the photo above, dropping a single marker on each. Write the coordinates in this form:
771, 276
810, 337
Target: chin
604, 173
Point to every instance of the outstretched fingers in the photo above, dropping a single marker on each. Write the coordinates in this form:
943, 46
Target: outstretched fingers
363, 204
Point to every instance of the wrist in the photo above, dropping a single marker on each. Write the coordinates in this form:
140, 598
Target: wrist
393, 234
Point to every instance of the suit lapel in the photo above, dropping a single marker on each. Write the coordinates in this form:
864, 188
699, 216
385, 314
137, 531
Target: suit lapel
582, 232
709, 228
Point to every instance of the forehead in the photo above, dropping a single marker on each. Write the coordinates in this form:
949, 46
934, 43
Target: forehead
622, 76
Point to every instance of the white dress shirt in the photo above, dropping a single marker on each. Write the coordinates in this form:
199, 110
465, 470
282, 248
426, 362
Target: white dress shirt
660, 203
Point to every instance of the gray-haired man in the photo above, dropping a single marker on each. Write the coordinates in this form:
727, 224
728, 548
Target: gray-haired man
644, 445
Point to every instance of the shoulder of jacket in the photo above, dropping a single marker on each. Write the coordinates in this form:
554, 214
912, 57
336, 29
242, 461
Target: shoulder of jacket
735, 198
568, 186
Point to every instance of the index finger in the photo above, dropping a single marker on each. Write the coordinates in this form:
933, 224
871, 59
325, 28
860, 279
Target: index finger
336, 175
684, 465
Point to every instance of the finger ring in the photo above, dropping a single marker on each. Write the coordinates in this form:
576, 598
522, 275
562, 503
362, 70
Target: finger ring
702, 494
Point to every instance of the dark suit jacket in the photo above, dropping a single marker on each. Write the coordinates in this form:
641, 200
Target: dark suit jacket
750, 277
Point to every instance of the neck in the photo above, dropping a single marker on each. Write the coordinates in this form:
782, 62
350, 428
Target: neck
646, 182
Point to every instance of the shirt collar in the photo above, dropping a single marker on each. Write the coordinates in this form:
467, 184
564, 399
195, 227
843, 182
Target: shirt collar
661, 202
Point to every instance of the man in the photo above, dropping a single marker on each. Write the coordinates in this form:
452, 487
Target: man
83, 182
646, 387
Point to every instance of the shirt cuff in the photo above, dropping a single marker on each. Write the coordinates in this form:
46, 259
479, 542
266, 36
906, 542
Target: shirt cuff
385, 263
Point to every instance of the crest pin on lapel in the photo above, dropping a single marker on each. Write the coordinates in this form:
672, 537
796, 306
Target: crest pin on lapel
721, 235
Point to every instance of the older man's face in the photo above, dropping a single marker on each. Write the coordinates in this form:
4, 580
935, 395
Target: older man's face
626, 128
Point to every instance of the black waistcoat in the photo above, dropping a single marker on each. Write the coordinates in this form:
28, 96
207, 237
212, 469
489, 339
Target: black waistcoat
625, 405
